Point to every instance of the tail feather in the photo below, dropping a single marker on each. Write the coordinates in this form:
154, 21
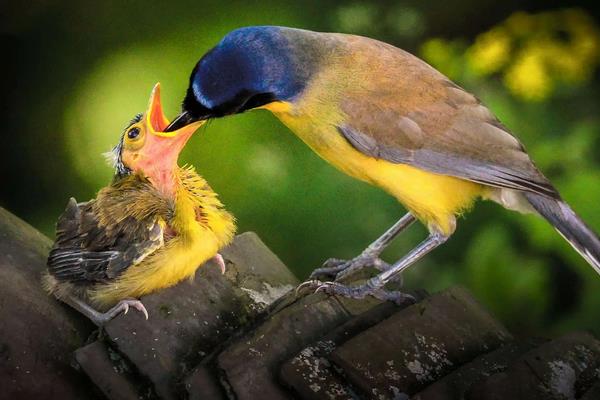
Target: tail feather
570, 226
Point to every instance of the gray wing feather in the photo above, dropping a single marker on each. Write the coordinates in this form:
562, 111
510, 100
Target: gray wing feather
449, 133
446, 164
85, 252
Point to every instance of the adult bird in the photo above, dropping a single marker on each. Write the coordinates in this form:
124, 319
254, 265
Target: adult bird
383, 116
152, 227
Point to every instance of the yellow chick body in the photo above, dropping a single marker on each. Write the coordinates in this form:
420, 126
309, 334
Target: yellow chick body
151, 228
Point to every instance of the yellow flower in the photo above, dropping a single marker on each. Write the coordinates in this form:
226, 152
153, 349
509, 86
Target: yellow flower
534, 53
555, 47
567, 65
490, 52
528, 77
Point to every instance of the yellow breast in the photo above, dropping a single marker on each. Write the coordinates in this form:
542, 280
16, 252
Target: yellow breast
434, 199
195, 243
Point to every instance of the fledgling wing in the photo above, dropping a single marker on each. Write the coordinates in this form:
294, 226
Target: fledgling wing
434, 125
86, 252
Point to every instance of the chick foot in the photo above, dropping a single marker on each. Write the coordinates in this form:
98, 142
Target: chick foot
123, 306
339, 269
101, 318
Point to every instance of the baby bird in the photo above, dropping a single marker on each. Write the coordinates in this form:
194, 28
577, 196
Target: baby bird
152, 227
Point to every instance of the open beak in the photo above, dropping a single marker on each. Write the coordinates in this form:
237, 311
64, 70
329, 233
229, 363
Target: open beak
161, 149
165, 145
159, 124
182, 120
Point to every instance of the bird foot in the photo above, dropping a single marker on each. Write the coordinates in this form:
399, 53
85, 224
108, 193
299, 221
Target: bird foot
340, 269
371, 288
220, 261
121, 307
101, 318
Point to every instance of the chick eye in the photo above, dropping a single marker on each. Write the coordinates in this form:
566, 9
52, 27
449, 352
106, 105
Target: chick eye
133, 133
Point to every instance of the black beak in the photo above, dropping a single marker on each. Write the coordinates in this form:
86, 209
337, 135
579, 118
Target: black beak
183, 119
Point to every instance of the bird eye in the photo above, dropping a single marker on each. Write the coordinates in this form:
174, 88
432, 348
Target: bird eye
133, 133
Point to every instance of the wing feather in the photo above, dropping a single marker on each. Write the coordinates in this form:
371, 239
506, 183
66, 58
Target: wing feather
396, 107
455, 136
86, 252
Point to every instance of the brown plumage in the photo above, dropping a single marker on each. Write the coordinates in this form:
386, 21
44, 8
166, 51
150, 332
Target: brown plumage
98, 240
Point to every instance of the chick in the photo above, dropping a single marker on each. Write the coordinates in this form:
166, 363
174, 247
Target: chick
152, 227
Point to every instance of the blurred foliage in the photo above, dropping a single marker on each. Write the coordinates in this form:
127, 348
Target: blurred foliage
88, 70
534, 53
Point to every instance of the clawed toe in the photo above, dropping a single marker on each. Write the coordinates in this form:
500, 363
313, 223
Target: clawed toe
138, 305
339, 269
397, 297
311, 283
337, 289
323, 286
330, 268
220, 261
361, 263
123, 307
334, 263
371, 288
101, 318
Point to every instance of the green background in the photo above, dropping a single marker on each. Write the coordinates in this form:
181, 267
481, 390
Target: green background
76, 72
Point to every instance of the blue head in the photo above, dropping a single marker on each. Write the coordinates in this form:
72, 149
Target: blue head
249, 68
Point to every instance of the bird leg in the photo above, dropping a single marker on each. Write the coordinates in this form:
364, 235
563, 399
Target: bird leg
368, 258
375, 286
99, 318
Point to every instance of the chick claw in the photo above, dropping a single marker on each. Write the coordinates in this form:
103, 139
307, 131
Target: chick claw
123, 306
100, 318
220, 261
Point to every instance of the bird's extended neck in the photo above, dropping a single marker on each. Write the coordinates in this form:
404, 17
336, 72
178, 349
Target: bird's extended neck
165, 180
